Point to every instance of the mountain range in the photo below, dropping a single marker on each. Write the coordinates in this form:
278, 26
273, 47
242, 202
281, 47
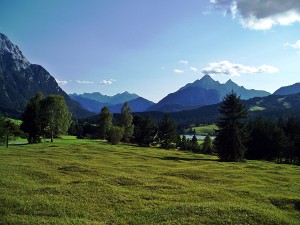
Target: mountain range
20, 80
95, 101
205, 91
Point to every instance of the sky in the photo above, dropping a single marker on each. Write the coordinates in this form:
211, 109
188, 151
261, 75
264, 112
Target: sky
154, 47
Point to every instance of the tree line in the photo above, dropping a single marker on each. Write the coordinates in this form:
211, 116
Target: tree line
237, 137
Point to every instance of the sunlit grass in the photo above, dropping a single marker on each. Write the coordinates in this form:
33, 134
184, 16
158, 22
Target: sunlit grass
90, 182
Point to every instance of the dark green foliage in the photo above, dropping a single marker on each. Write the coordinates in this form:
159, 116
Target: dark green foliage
105, 122
125, 121
266, 140
167, 133
115, 134
31, 119
230, 138
8, 130
145, 131
55, 116
207, 146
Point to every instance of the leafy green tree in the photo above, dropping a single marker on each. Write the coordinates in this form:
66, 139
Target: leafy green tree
167, 133
125, 121
55, 116
115, 134
31, 119
105, 122
207, 145
230, 137
8, 130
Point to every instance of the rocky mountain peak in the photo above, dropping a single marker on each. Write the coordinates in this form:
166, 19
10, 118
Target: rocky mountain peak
8, 48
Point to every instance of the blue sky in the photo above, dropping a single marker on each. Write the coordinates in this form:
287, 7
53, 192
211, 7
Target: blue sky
154, 47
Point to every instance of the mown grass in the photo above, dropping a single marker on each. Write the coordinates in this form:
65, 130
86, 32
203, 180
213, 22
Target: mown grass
90, 182
205, 129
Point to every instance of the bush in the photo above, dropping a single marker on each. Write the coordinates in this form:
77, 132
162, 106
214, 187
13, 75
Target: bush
115, 134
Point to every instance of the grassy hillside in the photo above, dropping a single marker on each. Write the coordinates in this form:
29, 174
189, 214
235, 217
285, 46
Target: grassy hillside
90, 182
204, 129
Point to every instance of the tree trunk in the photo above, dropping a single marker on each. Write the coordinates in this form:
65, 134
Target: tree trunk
6, 141
51, 136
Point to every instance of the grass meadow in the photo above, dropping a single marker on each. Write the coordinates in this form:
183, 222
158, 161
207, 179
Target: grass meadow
91, 182
204, 129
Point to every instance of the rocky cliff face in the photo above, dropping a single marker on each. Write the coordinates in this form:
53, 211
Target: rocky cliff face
20, 80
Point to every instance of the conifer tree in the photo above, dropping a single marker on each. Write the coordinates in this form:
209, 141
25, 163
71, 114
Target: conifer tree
167, 132
230, 137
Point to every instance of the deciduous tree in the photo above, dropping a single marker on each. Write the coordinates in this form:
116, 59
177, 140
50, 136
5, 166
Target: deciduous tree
55, 116
31, 119
105, 122
125, 121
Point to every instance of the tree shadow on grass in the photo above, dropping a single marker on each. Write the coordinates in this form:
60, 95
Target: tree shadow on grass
174, 158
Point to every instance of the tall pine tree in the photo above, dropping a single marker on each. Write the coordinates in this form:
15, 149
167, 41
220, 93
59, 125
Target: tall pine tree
229, 142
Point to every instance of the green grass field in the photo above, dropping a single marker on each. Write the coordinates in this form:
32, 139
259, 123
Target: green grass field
204, 129
90, 182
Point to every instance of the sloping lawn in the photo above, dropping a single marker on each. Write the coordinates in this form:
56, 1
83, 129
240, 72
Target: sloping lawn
91, 182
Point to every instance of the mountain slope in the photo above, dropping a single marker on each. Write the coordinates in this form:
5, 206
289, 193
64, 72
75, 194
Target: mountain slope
188, 98
20, 80
288, 90
137, 105
208, 83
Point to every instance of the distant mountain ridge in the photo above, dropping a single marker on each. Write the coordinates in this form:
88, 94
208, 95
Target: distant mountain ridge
20, 80
208, 83
205, 91
96, 101
115, 99
288, 90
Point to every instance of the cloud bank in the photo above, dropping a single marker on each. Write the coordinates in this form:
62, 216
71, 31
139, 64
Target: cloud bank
107, 82
178, 71
84, 82
61, 82
261, 14
231, 69
296, 45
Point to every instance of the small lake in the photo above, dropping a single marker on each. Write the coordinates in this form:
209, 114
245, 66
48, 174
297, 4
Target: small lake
200, 137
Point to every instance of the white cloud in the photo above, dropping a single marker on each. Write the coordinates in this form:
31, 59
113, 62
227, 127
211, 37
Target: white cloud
61, 82
296, 45
231, 69
194, 69
84, 82
261, 14
178, 71
107, 82
185, 62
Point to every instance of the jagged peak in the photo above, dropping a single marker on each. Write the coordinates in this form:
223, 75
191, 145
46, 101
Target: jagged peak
6, 46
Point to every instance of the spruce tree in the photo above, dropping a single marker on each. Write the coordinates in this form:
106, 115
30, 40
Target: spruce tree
167, 133
230, 137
